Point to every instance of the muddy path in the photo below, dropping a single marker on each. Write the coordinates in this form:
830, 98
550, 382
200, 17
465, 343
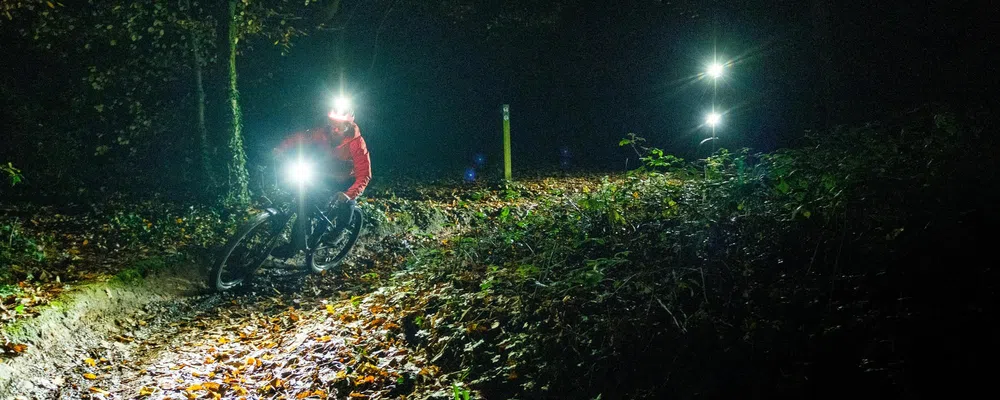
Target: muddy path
104, 323
342, 334
287, 335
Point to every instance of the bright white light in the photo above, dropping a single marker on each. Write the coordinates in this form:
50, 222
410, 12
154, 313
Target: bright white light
715, 70
300, 172
341, 103
713, 119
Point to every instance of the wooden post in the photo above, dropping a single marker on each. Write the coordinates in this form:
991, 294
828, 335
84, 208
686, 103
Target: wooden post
506, 141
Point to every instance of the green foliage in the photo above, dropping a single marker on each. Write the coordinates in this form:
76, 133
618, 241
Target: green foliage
460, 392
113, 85
733, 258
17, 247
146, 267
13, 174
653, 159
7, 290
120, 90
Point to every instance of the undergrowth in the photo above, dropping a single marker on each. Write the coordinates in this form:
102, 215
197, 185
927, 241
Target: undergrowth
850, 259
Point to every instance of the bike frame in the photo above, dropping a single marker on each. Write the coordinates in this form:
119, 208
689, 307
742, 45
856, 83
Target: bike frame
305, 207
305, 211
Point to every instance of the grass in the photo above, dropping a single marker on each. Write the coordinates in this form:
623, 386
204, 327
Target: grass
144, 268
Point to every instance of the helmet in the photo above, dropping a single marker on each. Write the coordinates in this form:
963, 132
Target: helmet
344, 114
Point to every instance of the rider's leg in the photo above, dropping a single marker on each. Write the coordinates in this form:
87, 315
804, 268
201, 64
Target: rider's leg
341, 213
342, 210
345, 210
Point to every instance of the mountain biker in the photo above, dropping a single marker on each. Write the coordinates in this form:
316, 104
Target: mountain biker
340, 143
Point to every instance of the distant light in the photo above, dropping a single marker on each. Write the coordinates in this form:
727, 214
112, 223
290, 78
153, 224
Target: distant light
713, 119
470, 175
715, 70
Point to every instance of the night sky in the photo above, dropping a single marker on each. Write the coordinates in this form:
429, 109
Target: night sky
432, 94
428, 87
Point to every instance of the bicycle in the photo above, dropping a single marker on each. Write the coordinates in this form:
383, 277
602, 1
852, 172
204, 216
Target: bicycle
246, 251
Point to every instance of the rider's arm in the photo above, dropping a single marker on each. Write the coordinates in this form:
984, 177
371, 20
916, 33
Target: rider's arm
362, 167
290, 142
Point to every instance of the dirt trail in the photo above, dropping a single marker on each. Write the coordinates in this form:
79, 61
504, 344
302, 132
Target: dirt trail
289, 335
107, 322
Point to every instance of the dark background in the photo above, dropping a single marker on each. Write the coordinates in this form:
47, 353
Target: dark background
428, 81
431, 97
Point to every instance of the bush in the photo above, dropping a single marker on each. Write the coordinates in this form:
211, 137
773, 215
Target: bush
11, 174
783, 273
17, 248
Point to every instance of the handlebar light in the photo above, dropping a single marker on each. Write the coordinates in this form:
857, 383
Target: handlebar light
300, 172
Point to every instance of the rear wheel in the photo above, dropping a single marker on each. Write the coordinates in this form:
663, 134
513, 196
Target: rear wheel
332, 249
246, 251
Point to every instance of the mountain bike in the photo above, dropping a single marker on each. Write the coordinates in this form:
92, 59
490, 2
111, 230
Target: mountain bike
325, 242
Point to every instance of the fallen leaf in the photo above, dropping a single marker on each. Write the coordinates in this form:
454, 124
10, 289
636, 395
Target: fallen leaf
240, 390
90, 376
90, 362
17, 347
146, 391
97, 390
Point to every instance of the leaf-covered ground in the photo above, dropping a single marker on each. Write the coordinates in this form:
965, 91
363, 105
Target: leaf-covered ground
288, 335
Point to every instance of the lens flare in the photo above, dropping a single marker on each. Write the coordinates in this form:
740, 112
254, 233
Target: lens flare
300, 172
713, 119
715, 70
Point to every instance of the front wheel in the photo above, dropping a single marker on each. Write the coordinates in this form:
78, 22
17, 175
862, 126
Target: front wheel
333, 248
245, 251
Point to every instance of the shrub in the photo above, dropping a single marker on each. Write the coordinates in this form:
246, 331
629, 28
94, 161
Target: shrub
744, 273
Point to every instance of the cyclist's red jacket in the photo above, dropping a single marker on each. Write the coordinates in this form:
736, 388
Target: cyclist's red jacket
350, 155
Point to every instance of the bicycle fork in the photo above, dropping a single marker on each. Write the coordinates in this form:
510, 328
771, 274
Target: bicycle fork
302, 230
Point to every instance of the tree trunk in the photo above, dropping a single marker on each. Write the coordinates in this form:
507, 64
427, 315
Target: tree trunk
199, 61
239, 194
